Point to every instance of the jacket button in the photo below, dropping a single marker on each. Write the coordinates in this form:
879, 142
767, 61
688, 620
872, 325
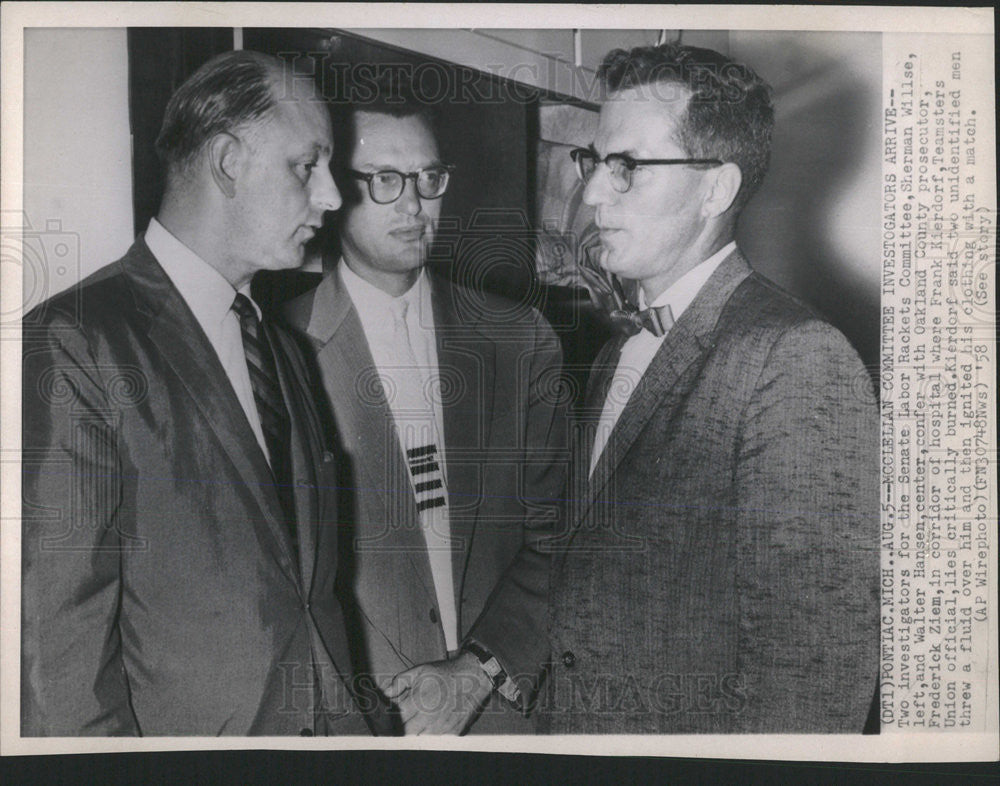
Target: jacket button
433, 615
568, 659
306, 733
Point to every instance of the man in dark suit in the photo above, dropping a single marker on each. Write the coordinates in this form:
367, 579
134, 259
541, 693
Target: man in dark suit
719, 573
179, 523
456, 458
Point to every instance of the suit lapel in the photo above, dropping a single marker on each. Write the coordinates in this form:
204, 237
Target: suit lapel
306, 455
657, 388
366, 421
599, 379
184, 347
687, 342
467, 364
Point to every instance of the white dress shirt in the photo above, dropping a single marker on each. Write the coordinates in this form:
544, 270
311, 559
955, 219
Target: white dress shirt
377, 311
210, 298
639, 350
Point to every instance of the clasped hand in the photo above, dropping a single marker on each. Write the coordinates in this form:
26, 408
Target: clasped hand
442, 697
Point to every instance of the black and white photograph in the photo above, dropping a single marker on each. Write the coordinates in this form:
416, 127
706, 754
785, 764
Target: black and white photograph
500, 384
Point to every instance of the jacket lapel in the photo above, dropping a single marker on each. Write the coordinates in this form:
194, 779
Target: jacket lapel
689, 339
588, 416
365, 421
467, 364
186, 350
306, 455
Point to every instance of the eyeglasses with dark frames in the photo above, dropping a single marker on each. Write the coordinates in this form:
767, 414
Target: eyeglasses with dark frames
386, 185
621, 166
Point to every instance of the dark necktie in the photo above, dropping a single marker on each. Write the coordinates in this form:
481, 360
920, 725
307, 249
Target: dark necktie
656, 319
271, 408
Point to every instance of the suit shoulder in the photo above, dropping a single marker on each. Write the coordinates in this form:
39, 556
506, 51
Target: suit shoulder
758, 300
762, 315
102, 296
72, 332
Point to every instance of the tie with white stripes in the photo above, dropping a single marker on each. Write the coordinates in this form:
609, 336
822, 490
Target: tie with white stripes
420, 436
274, 420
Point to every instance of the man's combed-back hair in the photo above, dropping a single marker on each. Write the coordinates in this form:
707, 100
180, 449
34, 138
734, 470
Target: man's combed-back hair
388, 91
729, 112
229, 91
392, 91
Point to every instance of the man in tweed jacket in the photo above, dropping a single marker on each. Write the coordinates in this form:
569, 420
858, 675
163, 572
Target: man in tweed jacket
719, 570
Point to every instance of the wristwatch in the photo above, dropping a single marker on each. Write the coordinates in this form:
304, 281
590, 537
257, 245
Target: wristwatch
501, 682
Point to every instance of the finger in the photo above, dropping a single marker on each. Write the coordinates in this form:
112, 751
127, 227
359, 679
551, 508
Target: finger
400, 684
427, 729
416, 724
457, 723
445, 724
394, 690
407, 709
439, 722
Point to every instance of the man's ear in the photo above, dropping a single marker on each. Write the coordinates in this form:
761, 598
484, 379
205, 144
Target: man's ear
722, 187
225, 159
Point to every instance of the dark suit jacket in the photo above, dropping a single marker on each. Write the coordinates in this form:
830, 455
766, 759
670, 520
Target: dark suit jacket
720, 570
161, 593
505, 463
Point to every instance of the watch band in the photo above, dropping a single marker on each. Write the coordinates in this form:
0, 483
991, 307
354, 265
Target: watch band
488, 662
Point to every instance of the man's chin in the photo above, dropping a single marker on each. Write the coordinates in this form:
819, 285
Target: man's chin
291, 262
408, 261
611, 262
411, 251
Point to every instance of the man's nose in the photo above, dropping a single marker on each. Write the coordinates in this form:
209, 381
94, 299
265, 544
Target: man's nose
409, 200
598, 189
325, 195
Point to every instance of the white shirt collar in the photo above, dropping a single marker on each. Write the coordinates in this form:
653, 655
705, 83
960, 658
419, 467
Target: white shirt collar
684, 290
372, 304
208, 295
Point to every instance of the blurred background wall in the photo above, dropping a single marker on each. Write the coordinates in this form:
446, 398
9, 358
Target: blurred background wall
77, 208
814, 225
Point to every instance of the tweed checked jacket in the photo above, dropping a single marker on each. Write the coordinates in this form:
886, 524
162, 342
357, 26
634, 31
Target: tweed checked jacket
719, 571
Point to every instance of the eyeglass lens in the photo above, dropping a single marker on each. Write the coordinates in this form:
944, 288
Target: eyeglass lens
621, 175
388, 186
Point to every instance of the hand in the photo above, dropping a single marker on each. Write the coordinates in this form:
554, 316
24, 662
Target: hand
441, 697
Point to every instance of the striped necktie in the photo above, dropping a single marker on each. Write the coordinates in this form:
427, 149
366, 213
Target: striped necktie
420, 435
274, 420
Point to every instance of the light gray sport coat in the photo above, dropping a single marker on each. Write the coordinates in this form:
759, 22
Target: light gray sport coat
505, 456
